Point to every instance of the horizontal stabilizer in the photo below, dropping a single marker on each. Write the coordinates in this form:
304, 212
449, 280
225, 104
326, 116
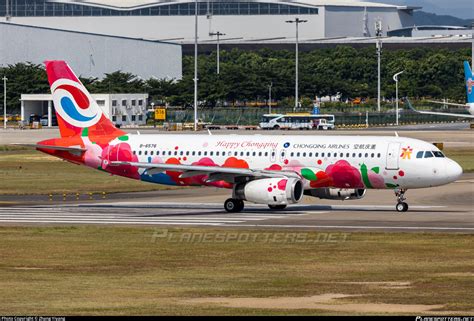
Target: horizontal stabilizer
53, 147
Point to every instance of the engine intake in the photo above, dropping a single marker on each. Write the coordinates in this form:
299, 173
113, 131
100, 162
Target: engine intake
270, 191
336, 193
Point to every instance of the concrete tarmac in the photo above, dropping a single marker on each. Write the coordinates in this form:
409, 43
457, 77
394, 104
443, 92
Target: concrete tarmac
448, 208
452, 134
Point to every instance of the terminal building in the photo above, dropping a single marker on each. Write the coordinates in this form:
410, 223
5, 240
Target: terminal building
173, 20
90, 54
123, 109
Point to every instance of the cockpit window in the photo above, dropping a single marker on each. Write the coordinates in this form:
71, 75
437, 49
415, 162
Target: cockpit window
420, 154
428, 154
437, 153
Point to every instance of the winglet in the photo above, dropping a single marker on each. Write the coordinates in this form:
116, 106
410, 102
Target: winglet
405, 99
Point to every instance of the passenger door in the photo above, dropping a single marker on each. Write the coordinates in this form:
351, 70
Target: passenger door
393, 151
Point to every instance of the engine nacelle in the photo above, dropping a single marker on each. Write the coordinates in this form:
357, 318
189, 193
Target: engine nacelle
336, 193
270, 191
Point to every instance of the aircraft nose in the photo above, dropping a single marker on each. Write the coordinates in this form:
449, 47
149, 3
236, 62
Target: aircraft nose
453, 170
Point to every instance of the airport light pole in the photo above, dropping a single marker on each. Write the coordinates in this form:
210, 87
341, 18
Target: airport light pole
297, 21
270, 98
195, 64
5, 102
395, 77
218, 34
378, 34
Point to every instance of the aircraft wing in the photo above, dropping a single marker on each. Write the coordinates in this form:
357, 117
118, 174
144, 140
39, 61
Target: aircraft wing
214, 172
437, 113
53, 147
445, 103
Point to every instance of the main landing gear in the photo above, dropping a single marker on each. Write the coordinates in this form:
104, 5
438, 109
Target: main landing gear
401, 205
233, 205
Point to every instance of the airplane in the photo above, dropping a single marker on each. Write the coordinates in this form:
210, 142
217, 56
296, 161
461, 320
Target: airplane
468, 76
274, 170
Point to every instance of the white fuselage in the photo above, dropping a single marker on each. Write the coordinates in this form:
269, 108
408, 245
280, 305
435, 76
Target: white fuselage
381, 161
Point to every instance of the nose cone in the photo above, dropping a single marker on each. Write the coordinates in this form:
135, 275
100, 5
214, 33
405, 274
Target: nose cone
453, 170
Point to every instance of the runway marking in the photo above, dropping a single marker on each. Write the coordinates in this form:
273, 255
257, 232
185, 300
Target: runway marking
360, 227
116, 222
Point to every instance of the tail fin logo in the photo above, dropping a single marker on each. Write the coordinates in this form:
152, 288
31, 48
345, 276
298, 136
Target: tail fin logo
74, 104
469, 84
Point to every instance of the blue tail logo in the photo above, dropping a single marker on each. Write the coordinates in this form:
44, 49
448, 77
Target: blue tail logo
469, 82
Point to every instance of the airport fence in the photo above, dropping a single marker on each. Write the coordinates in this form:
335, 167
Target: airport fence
251, 116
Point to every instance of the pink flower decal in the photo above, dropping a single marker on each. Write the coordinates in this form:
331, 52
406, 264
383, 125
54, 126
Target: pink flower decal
120, 152
344, 175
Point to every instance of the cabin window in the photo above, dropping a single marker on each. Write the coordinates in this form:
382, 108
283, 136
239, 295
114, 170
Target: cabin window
211, 153
199, 153
379, 155
298, 154
151, 153
366, 155
146, 152
194, 152
360, 155
134, 152
241, 153
372, 155
348, 155
304, 154
316, 154
248, 153
292, 154
322, 154
205, 153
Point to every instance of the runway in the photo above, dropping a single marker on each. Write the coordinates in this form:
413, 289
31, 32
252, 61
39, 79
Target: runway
305, 217
448, 208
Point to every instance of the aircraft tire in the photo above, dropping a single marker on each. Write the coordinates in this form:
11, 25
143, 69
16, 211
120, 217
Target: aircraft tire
232, 205
402, 207
277, 207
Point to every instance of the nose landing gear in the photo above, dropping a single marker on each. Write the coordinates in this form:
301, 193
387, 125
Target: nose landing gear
401, 205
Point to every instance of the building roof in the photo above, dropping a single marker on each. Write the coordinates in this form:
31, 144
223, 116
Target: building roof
137, 4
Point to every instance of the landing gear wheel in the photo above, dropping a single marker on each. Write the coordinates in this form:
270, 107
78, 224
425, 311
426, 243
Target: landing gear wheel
277, 207
402, 207
233, 205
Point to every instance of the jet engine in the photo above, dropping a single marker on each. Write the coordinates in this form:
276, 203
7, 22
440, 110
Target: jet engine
336, 193
270, 191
